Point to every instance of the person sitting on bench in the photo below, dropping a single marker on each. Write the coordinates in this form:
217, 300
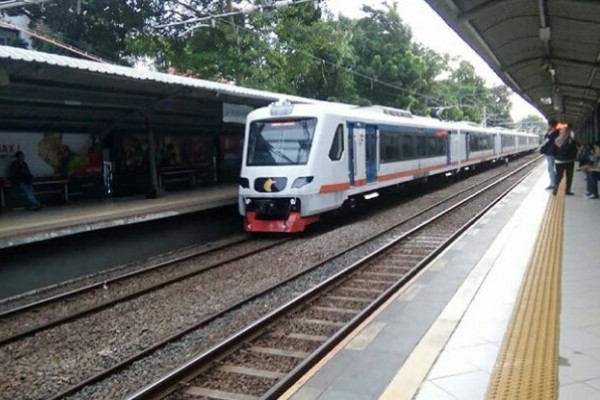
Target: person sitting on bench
21, 176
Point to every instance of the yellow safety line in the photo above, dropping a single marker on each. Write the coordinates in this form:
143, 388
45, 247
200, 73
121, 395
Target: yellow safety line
527, 366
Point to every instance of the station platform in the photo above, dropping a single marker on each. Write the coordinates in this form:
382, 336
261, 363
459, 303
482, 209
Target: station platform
510, 311
21, 227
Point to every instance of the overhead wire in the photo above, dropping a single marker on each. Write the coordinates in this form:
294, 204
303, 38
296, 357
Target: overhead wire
434, 100
342, 67
221, 18
430, 99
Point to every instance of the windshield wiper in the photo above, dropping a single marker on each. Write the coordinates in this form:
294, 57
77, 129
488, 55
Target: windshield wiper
280, 154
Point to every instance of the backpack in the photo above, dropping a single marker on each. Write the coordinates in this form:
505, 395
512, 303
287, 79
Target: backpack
547, 147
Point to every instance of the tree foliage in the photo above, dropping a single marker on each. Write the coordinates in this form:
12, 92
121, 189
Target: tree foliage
100, 27
299, 50
533, 123
391, 69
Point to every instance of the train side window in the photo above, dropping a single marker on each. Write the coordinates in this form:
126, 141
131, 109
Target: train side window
389, 143
407, 147
337, 146
480, 141
421, 146
436, 146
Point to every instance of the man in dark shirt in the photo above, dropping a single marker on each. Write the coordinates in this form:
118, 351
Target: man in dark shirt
21, 176
548, 150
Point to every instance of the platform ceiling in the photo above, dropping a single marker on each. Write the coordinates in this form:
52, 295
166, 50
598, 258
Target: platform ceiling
548, 51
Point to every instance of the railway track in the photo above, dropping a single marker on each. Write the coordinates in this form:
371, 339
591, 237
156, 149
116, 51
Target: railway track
267, 357
10, 319
134, 281
148, 350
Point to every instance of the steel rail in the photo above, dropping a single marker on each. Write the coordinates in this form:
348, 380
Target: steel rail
81, 290
167, 383
144, 353
101, 306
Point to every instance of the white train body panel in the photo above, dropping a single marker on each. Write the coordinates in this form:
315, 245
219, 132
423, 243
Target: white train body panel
303, 160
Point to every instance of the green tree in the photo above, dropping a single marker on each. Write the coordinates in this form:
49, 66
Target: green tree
298, 50
226, 49
533, 123
498, 107
17, 42
392, 70
100, 27
293, 51
467, 98
318, 56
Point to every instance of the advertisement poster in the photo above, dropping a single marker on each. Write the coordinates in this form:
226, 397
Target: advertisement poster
171, 151
49, 154
133, 154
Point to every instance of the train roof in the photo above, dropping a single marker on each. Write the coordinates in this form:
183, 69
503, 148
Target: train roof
372, 114
368, 114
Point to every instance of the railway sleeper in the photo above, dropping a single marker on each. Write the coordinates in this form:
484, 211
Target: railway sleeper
217, 394
350, 299
338, 310
371, 282
300, 336
391, 275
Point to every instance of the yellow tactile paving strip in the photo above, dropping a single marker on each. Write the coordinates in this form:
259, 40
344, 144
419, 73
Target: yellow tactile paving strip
527, 366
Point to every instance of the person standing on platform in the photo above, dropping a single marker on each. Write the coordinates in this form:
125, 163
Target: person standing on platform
21, 176
565, 153
592, 172
547, 149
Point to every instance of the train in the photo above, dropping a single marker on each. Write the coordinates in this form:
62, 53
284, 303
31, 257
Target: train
303, 160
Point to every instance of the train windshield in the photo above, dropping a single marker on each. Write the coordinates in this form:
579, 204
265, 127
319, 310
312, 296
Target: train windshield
280, 142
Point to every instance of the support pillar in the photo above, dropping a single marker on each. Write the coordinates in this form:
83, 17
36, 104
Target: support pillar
155, 191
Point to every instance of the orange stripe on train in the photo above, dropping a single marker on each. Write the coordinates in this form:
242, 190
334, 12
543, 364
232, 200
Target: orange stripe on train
336, 187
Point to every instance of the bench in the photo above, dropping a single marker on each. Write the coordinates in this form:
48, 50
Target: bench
42, 186
168, 175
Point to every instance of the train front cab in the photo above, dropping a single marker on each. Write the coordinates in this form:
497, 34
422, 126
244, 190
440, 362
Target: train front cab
284, 193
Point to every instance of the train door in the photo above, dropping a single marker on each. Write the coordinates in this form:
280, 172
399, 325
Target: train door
357, 156
351, 158
371, 152
467, 141
497, 144
457, 150
449, 149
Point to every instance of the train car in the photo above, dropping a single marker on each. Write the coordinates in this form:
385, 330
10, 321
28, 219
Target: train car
300, 161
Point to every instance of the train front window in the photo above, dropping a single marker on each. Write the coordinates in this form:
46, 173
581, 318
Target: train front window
280, 142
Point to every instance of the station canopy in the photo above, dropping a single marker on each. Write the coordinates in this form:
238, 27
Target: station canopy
548, 51
42, 92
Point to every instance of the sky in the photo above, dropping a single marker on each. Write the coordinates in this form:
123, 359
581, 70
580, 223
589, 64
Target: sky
427, 28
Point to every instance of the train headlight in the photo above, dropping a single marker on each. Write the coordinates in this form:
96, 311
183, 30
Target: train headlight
247, 201
301, 182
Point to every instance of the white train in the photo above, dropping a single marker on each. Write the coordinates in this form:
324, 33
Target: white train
301, 161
